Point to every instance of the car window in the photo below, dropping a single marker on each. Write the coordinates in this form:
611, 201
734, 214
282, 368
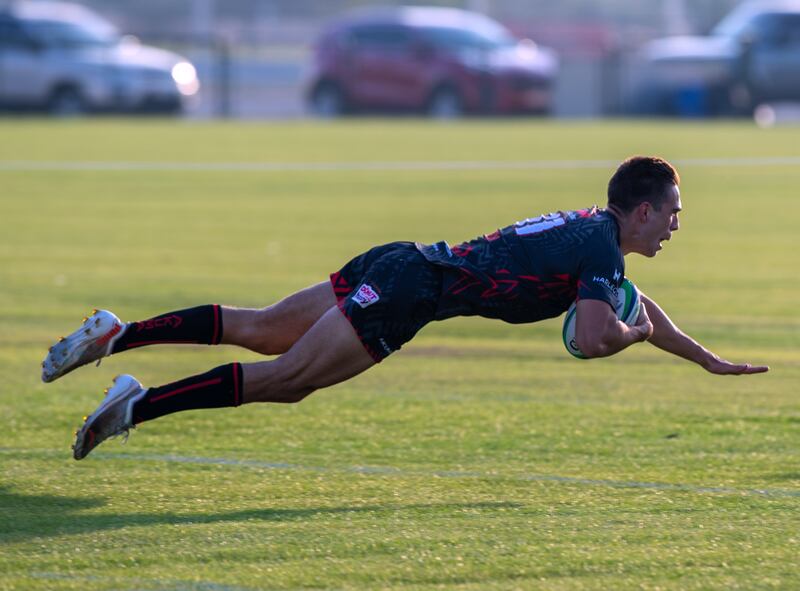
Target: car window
786, 30
453, 38
12, 36
380, 37
765, 28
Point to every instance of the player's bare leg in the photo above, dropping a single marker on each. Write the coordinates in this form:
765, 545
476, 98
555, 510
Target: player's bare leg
271, 331
328, 353
274, 329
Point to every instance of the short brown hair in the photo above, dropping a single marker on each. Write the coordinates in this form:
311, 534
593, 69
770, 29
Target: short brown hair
641, 179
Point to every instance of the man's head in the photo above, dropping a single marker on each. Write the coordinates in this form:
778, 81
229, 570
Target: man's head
644, 195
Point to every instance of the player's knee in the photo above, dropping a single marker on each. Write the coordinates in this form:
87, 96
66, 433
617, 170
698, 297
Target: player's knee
282, 392
266, 333
292, 383
296, 385
298, 394
288, 393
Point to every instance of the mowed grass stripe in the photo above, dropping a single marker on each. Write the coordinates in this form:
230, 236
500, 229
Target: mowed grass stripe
391, 471
124, 582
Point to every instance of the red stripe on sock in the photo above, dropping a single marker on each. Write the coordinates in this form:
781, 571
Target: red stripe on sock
214, 340
186, 389
143, 343
236, 393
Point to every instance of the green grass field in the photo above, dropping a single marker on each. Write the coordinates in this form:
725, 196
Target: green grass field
480, 457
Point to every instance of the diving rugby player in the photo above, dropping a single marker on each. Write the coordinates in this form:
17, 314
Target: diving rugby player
377, 302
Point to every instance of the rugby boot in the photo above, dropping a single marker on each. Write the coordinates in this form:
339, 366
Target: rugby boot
113, 417
91, 342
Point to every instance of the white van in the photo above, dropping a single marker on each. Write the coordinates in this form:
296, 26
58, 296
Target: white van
65, 59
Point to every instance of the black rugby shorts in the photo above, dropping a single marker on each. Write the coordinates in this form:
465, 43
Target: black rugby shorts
388, 294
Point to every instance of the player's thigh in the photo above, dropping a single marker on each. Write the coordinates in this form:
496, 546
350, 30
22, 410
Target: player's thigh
298, 312
328, 353
274, 329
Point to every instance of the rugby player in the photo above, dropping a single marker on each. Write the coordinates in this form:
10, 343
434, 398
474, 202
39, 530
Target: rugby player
332, 331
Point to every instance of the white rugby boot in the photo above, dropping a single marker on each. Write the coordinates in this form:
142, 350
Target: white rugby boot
113, 417
91, 342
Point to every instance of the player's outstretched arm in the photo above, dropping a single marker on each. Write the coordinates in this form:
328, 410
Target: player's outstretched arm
670, 338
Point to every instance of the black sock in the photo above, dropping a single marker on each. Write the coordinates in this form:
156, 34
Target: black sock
220, 387
201, 325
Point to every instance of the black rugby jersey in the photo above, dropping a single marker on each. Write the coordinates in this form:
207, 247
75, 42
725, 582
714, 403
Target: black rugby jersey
533, 269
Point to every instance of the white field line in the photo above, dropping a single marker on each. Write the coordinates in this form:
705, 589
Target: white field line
390, 471
364, 166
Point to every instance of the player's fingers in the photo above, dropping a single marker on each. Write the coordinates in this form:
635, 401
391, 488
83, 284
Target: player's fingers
744, 369
734, 369
748, 369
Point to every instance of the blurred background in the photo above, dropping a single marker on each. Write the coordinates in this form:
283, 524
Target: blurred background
282, 59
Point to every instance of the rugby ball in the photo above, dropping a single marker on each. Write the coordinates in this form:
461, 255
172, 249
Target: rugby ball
627, 309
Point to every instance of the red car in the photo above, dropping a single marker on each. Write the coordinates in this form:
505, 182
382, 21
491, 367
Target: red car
441, 61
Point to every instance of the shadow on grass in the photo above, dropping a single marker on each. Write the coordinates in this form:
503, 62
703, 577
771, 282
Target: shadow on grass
28, 516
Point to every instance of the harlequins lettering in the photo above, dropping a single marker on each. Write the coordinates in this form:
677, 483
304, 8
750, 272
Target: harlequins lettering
613, 288
172, 321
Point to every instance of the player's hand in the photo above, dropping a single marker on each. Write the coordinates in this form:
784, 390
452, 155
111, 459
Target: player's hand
719, 366
643, 323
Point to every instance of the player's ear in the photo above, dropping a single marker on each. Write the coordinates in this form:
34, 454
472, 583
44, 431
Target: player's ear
643, 212
640, 213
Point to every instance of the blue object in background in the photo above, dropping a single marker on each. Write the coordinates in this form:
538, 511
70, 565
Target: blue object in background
692, 101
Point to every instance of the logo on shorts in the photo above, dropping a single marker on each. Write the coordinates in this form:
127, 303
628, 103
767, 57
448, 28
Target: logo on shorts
365, 296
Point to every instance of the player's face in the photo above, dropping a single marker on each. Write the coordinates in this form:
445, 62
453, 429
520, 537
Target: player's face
658, 225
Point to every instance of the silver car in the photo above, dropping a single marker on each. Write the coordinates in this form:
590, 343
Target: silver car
65, 59
751, 57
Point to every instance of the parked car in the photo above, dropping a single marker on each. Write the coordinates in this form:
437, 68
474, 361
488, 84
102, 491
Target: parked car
751, 57
442, 61
66, 59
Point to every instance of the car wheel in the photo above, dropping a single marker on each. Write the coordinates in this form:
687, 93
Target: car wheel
328, 101
445, 104
66, 102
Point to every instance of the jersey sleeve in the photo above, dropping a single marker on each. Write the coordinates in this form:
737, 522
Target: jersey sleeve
601, 274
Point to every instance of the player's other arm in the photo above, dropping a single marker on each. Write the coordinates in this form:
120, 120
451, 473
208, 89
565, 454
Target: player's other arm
598, 332
670, 338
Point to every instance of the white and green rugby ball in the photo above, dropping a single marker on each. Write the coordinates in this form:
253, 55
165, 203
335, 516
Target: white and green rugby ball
627, 309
